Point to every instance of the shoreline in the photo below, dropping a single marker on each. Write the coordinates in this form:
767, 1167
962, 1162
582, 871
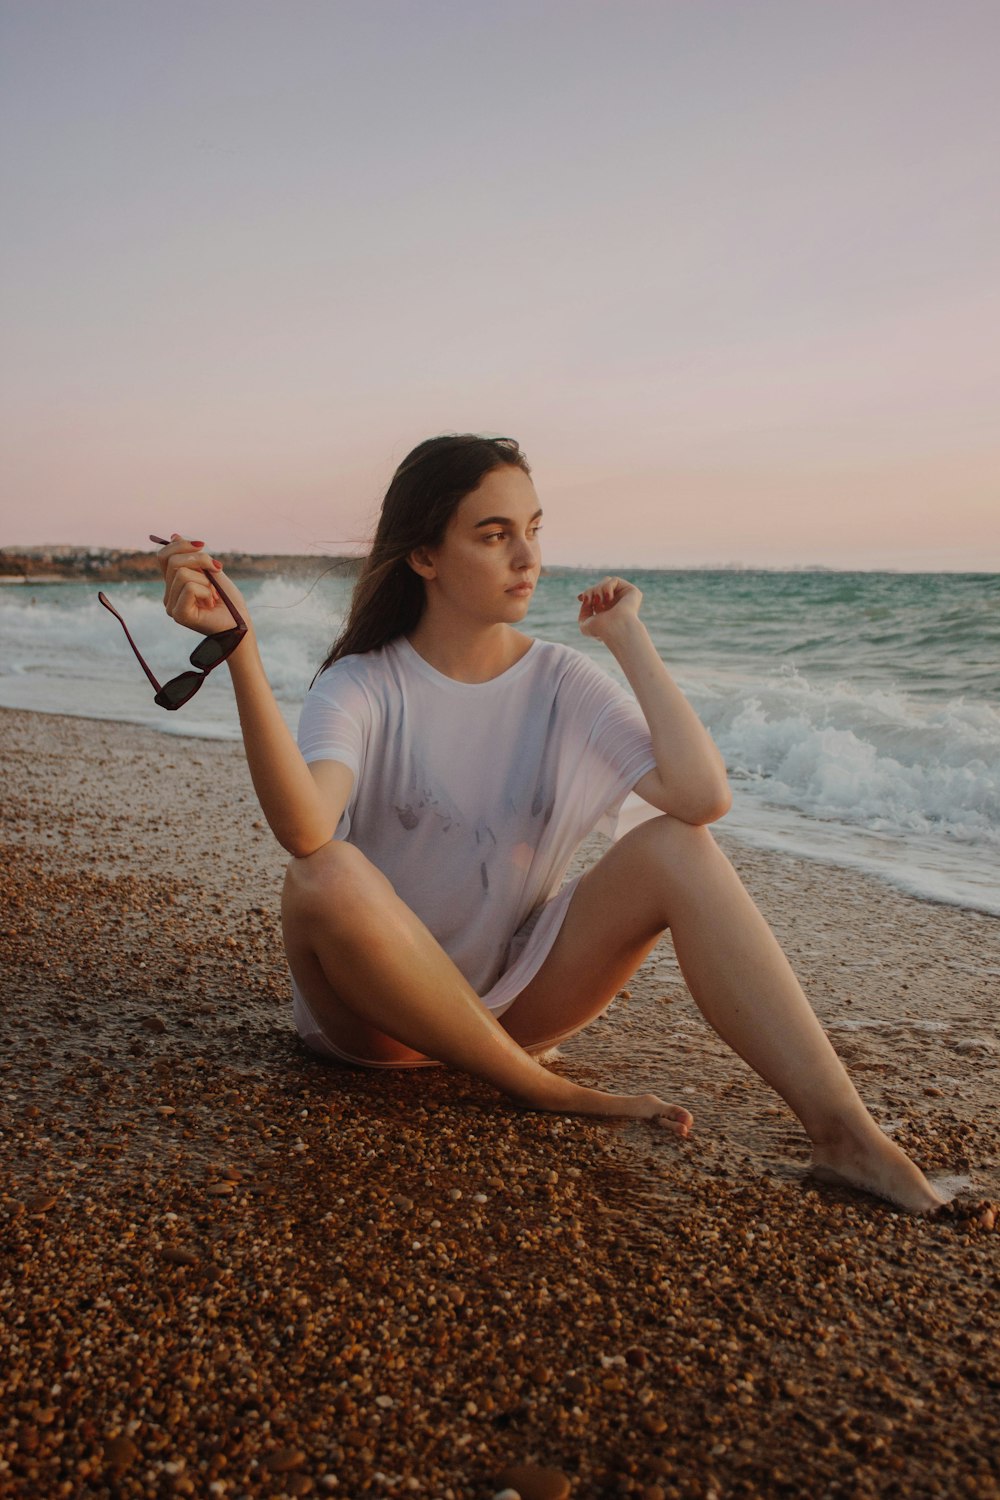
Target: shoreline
234, 1269
783, 844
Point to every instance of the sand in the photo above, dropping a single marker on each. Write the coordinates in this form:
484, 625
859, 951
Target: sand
231, 1269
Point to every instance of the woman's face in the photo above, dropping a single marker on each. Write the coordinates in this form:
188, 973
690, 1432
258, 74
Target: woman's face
487, 566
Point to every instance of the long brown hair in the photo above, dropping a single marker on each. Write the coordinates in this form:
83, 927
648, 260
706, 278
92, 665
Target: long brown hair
425, 492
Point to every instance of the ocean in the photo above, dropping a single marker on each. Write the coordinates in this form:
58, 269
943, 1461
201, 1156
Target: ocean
859, 713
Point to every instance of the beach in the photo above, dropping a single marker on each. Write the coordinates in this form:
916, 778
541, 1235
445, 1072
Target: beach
232, 1269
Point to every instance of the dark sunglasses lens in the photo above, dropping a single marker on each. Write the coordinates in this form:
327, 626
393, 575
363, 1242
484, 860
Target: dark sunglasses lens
176, 692
215, 648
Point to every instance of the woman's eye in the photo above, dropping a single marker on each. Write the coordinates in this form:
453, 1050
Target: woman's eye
499, 536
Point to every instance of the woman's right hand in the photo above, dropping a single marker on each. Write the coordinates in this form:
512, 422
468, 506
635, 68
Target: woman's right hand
188, 595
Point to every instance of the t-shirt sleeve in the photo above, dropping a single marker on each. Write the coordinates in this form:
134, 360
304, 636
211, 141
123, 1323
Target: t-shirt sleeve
336, 720
619, 750
622, 746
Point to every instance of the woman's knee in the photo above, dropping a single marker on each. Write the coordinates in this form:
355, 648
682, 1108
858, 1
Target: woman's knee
669, 843
335, 880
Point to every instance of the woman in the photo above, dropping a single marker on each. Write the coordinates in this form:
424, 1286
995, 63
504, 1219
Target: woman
447, 768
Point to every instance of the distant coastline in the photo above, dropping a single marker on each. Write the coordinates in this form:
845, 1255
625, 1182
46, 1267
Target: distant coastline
37, 565
69, 564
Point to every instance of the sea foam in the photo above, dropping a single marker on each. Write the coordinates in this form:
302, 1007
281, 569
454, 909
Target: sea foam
875, 758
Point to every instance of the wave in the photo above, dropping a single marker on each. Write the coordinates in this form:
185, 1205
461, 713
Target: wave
874, 758
62, 631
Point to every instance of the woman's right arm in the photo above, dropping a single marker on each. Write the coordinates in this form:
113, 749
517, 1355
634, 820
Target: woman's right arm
302, 804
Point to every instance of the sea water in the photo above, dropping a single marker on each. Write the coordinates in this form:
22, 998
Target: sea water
859, 713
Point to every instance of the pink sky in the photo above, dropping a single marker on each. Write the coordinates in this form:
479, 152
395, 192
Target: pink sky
728, 271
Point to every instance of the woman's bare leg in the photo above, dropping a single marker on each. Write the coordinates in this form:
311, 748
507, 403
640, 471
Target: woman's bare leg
384, 989
668, 874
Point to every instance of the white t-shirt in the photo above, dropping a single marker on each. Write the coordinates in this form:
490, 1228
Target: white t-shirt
472, 798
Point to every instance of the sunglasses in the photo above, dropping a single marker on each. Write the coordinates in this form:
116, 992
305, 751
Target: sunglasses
206, 656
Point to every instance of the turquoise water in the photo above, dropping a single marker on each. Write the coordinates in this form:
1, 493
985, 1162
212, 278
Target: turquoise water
929, 633
859, 713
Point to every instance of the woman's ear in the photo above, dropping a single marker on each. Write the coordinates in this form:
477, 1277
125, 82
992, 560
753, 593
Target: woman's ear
422, 562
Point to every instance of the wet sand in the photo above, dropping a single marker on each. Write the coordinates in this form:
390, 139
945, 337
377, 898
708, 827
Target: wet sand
230, 1269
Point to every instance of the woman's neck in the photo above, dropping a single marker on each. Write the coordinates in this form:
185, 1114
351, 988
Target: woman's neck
471, 657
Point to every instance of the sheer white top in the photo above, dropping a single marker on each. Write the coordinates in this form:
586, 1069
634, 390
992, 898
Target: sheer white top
473, 798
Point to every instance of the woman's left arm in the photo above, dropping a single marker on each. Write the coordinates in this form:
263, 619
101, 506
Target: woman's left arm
689, 781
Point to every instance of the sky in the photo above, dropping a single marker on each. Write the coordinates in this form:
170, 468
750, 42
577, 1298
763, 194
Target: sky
729, 270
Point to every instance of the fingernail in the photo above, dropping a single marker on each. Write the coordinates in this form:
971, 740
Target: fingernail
175, 536
197, 544
216, 563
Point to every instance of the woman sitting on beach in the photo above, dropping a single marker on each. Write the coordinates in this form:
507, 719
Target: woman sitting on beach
447, 769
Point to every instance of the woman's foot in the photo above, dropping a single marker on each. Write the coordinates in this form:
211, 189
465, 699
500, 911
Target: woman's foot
876, 1165
672, 1117
562, 1096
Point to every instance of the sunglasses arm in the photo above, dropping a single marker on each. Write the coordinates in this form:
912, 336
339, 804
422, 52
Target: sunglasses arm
138, 654
241, 624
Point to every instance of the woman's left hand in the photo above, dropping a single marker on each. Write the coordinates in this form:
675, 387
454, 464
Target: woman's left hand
607, 604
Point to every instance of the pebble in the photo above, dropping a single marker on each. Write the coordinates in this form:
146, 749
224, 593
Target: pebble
533, 1482
285, 1460
120, 1453
40, 1203
176, 1255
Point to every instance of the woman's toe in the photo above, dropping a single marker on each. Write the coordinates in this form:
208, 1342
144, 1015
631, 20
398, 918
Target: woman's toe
675, 1118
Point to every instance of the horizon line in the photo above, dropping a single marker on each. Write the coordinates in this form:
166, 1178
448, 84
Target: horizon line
53, 549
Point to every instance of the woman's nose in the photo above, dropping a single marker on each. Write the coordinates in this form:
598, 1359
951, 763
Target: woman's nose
524, 554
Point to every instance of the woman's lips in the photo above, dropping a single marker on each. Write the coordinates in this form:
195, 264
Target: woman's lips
522, 590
